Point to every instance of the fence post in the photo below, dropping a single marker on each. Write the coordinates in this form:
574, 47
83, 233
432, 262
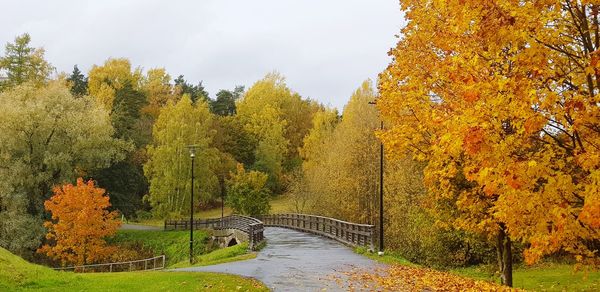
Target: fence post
319, 225
111, 267
372, 239
251, 236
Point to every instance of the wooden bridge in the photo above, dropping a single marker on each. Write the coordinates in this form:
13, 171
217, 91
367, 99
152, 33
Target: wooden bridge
238, 227
251, 230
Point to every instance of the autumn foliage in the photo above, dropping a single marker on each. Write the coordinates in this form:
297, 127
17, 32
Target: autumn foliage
80, 222
406, 278
501, 99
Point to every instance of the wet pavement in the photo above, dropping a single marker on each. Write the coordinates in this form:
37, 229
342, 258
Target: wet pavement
297, 261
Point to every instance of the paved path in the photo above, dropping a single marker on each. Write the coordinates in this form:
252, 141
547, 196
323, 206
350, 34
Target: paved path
139, 227
296, 261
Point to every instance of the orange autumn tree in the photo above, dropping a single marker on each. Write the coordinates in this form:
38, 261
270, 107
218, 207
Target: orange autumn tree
501, 98
80, 222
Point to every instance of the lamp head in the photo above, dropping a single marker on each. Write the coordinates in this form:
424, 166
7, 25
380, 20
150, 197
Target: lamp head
192, 149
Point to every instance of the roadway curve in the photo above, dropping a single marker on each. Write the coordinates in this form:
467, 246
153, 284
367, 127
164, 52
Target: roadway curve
296, 261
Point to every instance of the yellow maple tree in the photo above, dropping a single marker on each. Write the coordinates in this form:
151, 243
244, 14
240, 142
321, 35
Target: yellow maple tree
107, 79
501, 98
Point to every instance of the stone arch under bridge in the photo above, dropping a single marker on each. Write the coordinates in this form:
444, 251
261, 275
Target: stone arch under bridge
229, 237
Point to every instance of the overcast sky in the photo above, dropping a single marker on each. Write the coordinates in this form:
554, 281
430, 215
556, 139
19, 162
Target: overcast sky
324, 48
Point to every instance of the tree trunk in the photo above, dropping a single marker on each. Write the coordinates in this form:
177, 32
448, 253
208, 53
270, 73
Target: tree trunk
504, 254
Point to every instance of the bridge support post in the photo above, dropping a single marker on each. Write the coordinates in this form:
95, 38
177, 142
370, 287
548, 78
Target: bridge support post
372, 237
251, 242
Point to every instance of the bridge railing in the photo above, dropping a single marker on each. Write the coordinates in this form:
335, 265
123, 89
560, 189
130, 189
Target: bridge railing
251, 226
151, 264
352, 234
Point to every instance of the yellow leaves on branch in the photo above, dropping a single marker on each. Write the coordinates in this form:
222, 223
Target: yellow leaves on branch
471, 95
105, 80
474, 140
590, 213
501, 99
80, 222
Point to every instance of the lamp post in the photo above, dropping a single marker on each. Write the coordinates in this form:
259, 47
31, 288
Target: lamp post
222, 199
381, 195
192, 149
380, 192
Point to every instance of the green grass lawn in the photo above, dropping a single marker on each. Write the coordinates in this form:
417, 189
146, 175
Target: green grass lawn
541, 277
224, 255
175, 245
18, 275
389, 258
280, 204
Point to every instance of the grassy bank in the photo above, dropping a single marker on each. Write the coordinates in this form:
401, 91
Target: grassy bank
18, 275
542, 277
175, 245
224, 255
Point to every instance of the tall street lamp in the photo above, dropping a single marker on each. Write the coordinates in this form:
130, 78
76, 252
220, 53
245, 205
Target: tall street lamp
222, 183
380, 192
381, 195
192, 149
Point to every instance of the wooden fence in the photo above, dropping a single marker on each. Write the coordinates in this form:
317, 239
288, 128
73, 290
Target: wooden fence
151, 264
352, 234
183, 224
251, 226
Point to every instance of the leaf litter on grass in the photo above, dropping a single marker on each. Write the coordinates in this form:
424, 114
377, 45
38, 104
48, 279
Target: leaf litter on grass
405, 278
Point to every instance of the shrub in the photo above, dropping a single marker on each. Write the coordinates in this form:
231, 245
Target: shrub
143, 215
247, 192
411, 228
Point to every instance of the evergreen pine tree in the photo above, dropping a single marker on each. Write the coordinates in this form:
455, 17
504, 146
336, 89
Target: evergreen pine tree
78, 82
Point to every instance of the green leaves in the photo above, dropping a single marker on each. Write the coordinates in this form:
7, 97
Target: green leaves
115, 74
23, 63
78, 83
169, 166
278, 120
247, 192
47, 137
224, 104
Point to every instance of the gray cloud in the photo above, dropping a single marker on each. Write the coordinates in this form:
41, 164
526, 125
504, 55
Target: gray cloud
324, 48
